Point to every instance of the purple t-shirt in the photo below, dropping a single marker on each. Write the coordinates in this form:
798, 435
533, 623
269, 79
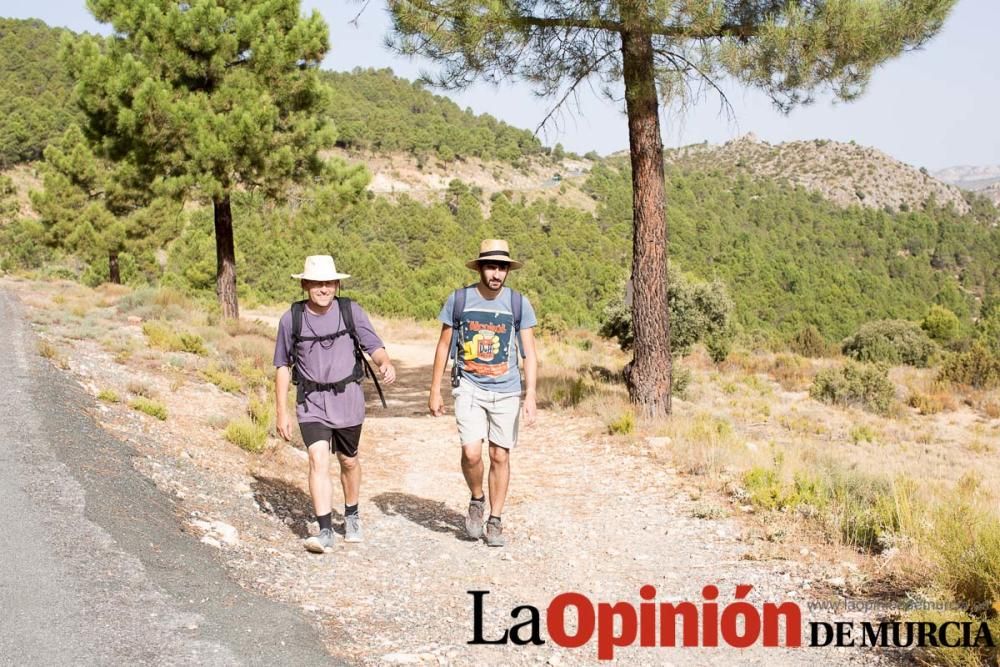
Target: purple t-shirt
328, 361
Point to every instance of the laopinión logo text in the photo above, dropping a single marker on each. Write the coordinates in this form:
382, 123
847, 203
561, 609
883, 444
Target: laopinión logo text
738, 624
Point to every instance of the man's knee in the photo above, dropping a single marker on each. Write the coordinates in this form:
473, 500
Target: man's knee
472, 454
348, 463
498, 455
319, 456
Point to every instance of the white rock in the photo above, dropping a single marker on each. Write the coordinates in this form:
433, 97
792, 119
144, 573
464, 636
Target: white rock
228, 534
210, 541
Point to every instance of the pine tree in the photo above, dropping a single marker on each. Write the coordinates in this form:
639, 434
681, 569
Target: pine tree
94, 207
206, 96
662, 50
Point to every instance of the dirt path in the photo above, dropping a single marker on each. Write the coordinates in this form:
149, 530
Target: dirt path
582, 515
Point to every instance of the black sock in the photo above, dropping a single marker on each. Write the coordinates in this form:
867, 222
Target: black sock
350, 509
325, 521
494, 519
480, 499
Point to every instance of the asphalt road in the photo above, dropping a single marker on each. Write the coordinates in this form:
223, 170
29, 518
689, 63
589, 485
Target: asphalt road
94, 569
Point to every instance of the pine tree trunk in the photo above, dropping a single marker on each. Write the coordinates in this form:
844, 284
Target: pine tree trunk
114, 273
649, 379
225, 252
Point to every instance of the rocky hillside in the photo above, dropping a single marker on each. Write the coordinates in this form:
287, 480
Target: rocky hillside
846, 174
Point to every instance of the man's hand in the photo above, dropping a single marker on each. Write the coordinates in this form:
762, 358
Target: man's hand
435, 404
388, 372
530, 410
284, 426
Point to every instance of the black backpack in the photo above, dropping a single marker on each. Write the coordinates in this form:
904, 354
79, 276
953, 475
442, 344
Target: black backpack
361, 366
458, 307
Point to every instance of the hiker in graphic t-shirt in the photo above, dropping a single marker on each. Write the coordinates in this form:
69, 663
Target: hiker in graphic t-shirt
493, 328
330, 405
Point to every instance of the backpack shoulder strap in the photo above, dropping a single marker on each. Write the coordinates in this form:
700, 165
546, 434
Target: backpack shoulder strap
458, 307
516, 306
347, 317
297, 308
293, 354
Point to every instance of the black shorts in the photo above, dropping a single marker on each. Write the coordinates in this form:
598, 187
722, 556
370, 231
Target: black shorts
342, 440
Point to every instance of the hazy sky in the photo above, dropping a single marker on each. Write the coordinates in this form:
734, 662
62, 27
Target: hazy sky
937, 107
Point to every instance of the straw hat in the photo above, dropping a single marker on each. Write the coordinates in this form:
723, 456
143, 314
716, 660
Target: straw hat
320, 268
493, 250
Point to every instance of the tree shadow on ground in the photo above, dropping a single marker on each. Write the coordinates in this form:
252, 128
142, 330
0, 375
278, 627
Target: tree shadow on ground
431, 514
288, 503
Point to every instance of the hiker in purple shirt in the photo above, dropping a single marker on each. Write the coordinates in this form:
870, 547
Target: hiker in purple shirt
330, 405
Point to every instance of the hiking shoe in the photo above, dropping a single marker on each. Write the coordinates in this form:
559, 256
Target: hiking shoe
494, 534
321, 542
352, 528
474, 519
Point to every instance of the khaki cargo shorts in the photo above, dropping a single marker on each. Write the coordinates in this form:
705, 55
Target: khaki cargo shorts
486, 415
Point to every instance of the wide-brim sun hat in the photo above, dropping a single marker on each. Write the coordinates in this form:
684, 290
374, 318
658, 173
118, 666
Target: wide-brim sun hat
493, 250
320, 268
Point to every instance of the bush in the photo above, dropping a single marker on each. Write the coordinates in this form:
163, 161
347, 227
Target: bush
790, 371
680, 381
623, 424
160, 336
699, 312
869, 509
108, 396
891, 342
247, 435
809, 342
864, 386
222, 379
966, 541
151, 408
941, 324
978, 367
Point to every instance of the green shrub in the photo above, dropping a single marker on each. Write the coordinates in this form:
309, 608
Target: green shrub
855, 385
863, 433
680, 381
623, 424
151, 408
891, 342
699, 312
966, 542
809, 342
247, 435
869, 510
161, 336
764, 487
222, 379
978, 367
941, 324
261, 412
108, 396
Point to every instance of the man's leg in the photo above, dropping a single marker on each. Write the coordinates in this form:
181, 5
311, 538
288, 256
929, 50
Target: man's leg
321, 489
350, 478
472, 431
347, 441
472, 467
503, 418
499, 478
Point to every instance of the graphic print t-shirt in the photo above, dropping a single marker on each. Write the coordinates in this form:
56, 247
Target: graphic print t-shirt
489, 356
